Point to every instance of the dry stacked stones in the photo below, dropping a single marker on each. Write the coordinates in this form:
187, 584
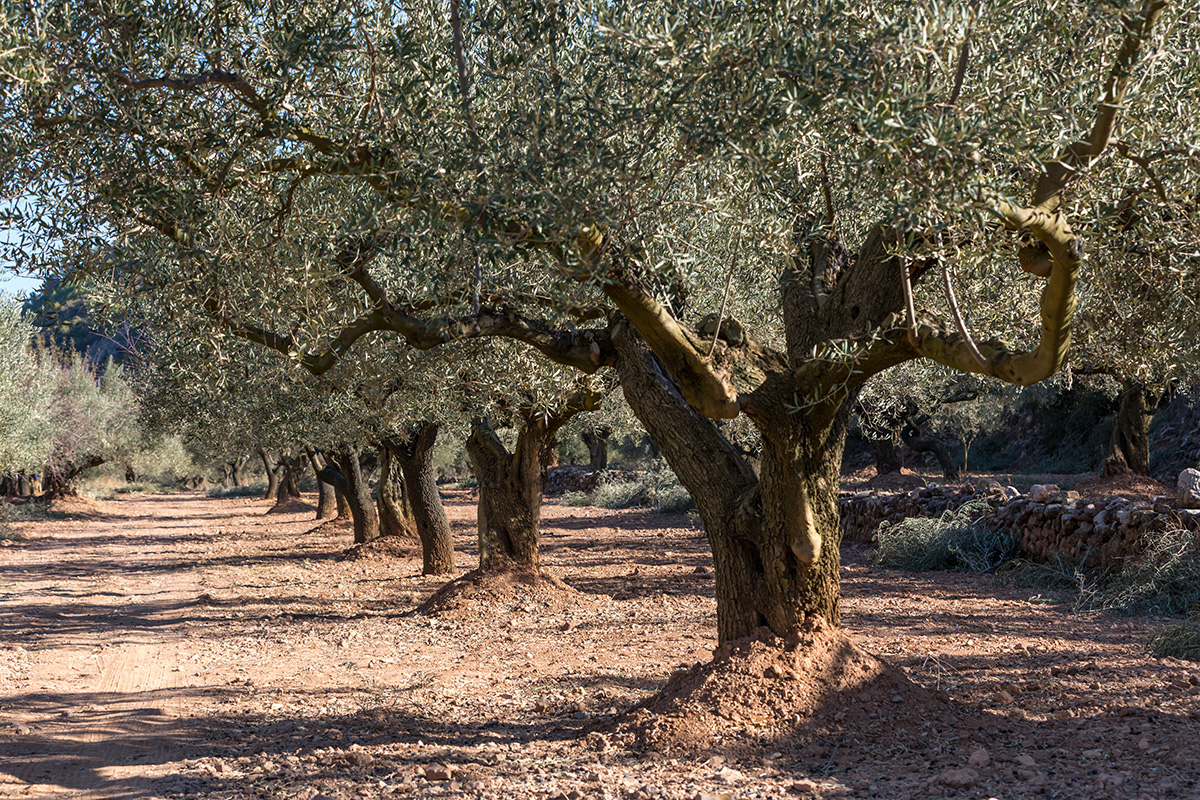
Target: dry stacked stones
1049, 521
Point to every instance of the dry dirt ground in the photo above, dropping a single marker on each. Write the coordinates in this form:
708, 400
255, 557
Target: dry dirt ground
182, 646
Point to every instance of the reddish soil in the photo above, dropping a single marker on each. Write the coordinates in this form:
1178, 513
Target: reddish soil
182, 646
1131, 487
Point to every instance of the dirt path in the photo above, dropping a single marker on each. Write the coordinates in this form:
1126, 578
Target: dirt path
180, 646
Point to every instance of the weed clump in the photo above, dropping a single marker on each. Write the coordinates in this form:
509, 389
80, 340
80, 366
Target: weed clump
958, 539
1165, 581
1177, 641
657, 488
257, 489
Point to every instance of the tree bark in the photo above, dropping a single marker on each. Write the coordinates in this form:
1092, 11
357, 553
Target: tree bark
395, 512
327, 505
272, 479
510, 495
887, 460
911, 436
413, 453
24, 485
288, 487
1129, 444
760, 530
596, 440
59, 481
347, 477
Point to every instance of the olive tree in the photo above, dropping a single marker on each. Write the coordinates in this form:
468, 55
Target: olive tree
746, 209
25, 387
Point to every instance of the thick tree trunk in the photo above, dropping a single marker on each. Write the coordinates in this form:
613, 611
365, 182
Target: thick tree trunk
770, 567
911, 436
414, 454
326, 495
510, 494
59, 481
348, 479
887, 460
291, 467
269, 468
597, 445
395, 513
1129, 445
24, 485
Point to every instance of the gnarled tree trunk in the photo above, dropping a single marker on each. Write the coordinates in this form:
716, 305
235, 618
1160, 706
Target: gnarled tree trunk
596, 440
345, 473
413, 452
327, 504
1129, 445
511, 484
291, 468
510, 495
395, 513
759, 530
58, 480
269, 469
911, 436
887, 460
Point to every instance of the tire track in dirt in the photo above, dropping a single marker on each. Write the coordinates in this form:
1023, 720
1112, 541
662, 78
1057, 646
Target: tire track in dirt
103, 710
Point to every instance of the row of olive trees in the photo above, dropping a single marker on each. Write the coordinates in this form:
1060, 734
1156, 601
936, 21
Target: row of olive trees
58, 417
744, 210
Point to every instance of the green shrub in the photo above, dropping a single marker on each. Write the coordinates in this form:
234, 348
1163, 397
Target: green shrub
1164, 581
258, 489
1176, 641
1060, 574
955, 540
657, 487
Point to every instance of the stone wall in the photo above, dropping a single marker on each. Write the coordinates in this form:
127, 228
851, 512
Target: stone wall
1097, 532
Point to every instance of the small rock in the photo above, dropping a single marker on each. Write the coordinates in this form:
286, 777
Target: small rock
1041, 492
540, 705
896, 698
805, 787
701, 570
567, 626
1025, 761
439, 772
730, 776
980, 759
581, 715
1003, 698
1143, 744
963, 778
1093, 754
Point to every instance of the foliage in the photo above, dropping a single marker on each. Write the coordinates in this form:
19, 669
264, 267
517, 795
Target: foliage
255, 489
1164, 580
656, 487
969, 420
93, 418
1181, 640
25, 392
1059, 574
955, 540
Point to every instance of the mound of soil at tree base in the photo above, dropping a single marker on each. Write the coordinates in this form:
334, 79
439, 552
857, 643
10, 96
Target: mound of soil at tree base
383, 547
479, 594
869, 478
292, 505
767, 692
1131, 487
74, 505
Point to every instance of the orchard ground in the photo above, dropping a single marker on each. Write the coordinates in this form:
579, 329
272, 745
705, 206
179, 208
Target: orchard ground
184, 646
